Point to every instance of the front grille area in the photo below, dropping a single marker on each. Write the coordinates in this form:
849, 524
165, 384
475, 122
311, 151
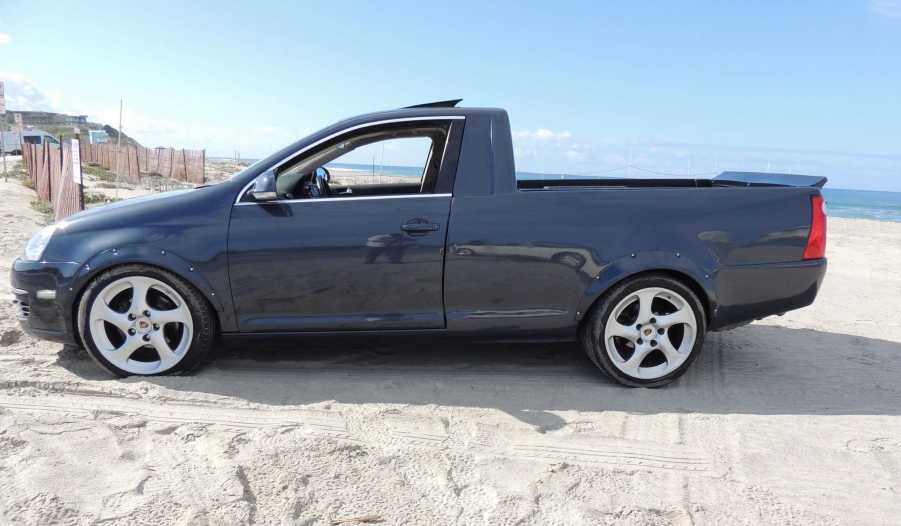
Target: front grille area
23, 309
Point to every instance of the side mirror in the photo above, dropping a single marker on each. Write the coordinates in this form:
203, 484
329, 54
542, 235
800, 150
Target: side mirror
264, 187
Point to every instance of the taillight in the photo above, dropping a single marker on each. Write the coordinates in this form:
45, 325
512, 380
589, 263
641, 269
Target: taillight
816, 239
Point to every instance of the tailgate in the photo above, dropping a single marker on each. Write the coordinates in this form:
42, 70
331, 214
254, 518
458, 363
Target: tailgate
767, 179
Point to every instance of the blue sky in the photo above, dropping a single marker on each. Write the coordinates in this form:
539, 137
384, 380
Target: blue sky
677, 87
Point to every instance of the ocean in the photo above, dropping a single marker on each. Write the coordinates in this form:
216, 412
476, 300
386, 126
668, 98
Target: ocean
863, 204
857, 204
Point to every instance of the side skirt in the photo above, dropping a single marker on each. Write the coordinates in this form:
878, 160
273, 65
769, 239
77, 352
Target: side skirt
398, 336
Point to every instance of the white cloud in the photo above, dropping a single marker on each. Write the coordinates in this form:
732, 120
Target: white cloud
23, 94
886, 8
252, 141
4, 38
540, 149
541, 134
544, 149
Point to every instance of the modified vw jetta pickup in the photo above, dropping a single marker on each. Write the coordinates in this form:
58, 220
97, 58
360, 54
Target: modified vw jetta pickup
327, 236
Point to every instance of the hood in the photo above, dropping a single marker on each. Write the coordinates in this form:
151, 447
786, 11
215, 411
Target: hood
126, 203
158, 208
159, 219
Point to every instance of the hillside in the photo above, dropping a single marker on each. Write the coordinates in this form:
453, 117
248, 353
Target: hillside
61, 124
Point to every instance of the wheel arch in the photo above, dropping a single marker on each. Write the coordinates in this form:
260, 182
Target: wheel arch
113, 259
592, 332
614, 275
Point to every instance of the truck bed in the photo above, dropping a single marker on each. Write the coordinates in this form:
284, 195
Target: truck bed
725, 179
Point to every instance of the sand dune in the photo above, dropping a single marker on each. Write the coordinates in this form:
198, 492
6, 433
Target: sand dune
789, 420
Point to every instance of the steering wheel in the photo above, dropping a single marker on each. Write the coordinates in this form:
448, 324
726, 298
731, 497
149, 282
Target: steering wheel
321, 177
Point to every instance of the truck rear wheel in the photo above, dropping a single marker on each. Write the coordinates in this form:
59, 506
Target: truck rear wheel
645, 332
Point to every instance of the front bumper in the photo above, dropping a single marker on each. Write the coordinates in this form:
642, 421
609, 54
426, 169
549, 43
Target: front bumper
749, 292
44, 298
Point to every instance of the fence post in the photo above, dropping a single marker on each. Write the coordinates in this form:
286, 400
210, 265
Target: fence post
80, 205
3, 144
137, 167
48, 169
184, 162
55, 201
34, 156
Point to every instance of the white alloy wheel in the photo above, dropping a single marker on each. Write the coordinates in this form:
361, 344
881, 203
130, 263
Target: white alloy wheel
141, 325
650, 333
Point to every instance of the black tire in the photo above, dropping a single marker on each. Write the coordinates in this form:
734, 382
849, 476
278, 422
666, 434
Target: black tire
592, 329
204, 319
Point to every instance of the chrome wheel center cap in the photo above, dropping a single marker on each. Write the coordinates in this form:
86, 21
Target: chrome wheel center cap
648, 331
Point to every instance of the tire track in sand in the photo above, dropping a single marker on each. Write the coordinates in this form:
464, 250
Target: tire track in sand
320, 422
415, 431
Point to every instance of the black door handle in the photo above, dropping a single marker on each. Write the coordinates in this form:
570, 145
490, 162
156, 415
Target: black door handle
419, 226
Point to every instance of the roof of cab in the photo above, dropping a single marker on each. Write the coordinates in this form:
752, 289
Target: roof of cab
410, 112
437, 110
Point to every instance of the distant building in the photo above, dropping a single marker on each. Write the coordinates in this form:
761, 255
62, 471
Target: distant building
12, 146
45, 118
97, 136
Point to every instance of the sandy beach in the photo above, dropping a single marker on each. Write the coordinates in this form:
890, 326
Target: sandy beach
793, 419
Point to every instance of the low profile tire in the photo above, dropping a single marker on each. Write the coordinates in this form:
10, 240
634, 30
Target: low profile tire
141, 320
645, 332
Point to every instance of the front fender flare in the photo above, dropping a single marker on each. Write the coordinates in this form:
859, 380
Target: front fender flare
154, 256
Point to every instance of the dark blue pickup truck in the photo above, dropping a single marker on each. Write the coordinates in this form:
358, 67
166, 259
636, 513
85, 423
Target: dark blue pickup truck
319, 238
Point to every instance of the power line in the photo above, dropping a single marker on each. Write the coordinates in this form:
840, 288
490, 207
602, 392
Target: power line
598, 172
674, 174
618, 168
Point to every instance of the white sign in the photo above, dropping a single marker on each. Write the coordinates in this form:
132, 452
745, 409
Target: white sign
2, 100
76, 162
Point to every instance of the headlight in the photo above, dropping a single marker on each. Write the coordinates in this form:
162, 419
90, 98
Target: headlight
38, 242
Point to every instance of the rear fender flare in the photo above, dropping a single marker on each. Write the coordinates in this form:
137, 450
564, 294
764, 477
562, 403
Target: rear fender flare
642, 262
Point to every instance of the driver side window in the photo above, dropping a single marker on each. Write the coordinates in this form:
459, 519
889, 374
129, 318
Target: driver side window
381, 161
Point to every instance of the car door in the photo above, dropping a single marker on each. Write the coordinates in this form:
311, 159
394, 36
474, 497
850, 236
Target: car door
355, 239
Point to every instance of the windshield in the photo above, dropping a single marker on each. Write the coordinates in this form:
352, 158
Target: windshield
223, 169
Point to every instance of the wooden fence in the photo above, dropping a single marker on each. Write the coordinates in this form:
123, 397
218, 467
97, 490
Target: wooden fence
50, 170
135, 162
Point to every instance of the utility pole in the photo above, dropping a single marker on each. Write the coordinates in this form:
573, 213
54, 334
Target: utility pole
118, 147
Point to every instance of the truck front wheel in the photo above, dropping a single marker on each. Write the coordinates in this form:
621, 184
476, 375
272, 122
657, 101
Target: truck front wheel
141, 320
645, 332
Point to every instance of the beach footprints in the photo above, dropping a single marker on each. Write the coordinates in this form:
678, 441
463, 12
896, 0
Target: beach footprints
615, 453
10, 337
430, 432
518, 441
492, 435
